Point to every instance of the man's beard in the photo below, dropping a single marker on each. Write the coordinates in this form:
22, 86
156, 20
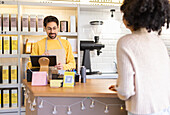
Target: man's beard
52, 37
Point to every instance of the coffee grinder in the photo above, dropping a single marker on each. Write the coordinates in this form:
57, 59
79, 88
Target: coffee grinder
88, 46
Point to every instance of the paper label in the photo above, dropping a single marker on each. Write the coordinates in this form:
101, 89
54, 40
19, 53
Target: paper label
5, 74
69, 79
6, 98
33, 22
14, 98
14, 45
13, 22
13, 74
6, 45
5, 22
25, 22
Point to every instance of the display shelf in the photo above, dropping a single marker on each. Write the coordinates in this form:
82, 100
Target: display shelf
3, 2
25, 55
8, 33
61, 10
8, 85
22, 109
48, 3
10, 109
97, 7
44, 33
9, 55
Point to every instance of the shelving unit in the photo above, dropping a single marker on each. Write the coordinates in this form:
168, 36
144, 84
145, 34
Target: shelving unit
62, 11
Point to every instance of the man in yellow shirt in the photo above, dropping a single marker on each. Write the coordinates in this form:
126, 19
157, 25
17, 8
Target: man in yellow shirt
52, 45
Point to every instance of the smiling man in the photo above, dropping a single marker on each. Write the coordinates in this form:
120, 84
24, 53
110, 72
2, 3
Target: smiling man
52, 45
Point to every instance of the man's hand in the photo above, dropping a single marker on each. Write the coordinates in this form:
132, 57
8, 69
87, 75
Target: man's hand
112, 87
59, 66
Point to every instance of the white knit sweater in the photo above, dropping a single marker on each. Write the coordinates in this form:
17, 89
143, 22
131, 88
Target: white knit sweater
144, 72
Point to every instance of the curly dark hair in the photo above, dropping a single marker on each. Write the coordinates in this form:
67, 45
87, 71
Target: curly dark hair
149, 14
48, 19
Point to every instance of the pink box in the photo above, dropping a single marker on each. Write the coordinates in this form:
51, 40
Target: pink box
39, 78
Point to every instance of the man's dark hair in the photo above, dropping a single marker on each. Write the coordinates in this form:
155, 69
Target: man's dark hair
149, 14
48, 19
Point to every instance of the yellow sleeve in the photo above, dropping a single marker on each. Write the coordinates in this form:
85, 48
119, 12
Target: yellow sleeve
70, 61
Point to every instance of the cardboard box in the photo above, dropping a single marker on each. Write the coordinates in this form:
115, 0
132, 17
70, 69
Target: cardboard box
32, 23
25, 22
14, 44
5, 22
6, 44
13, 22
40, 23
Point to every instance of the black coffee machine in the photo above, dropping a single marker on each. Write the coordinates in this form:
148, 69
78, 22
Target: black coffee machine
88, 46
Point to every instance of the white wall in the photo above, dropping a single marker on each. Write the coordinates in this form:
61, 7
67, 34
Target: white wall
113, 29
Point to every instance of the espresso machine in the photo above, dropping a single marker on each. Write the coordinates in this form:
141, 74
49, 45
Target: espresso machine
88, 46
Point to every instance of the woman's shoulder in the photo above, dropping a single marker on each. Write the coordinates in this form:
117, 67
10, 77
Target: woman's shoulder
126, 39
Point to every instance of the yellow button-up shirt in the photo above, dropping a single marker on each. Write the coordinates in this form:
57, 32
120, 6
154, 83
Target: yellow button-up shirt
39, 49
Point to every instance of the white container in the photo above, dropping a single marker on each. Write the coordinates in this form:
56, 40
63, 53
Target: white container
32, 23
40, 23
5, 22
13, 22
72, 23
25, 22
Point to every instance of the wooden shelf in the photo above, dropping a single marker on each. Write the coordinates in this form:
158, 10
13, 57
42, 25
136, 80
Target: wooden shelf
9, 55
8, 85
25, 55
8, 33
7, 110
44, 33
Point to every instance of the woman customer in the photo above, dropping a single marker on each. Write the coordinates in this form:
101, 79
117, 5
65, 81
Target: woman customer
143, 61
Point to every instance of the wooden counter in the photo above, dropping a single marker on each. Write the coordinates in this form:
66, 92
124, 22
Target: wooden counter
96, 89
92, 88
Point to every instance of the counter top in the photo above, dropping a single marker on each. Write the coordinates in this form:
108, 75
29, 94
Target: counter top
103, 76
92, 88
